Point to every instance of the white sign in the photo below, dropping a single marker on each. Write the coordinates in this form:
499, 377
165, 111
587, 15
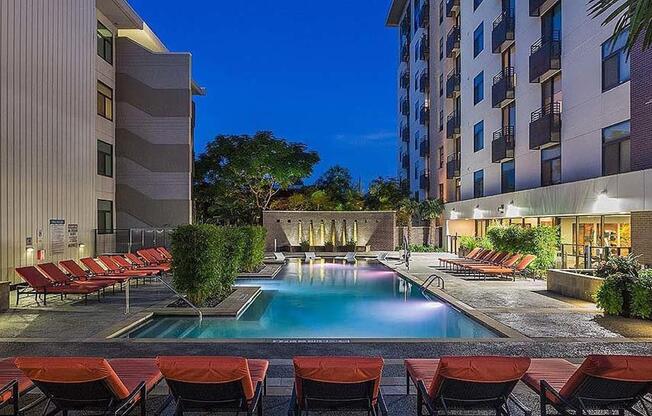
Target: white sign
73, 235
57, 235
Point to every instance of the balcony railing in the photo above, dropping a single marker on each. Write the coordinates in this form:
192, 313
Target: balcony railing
538, 7
453, 84
405, 134
405, 107
545, 57
424, 148
502, 145
453, 125
405, 79
424, 115
502, 34
424, 48
502, 90
452, 7
453, 166
424, 82
545, 126
424, 15
453, 42
424, 180
405, 161
405, 53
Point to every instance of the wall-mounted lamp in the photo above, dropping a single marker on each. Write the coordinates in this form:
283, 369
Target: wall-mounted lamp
30, 249
501, 208
454, 214
477, 212
82, 246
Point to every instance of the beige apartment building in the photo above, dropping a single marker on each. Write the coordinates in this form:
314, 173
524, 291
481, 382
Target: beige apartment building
526, 112
96, 129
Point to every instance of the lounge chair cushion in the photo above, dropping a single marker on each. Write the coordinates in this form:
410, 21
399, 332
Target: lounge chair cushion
8, 373
133, 371
555, 371
214, 370
479, 369
422, 370
72, 370
344, 370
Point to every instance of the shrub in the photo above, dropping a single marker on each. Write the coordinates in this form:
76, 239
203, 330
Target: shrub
305, 245
425, 248
641, 292
610, 297
231, 249
628, 265
254, 247
541, 241
328, 246
469, 243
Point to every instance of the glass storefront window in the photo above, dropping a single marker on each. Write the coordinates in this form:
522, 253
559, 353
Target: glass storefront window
531, 222
617, 231
589, 231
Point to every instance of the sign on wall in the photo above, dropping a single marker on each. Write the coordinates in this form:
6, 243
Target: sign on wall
57, 235
73, 235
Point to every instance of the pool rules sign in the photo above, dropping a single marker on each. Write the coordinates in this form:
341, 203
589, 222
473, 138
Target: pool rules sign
57, 234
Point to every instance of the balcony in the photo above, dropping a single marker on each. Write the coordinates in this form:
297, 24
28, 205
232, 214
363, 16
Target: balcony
502, 90
424, 148
424, 180
452, 7
424, 82
453, 125
502, 145
453, 42
405, 134
545, 57
424, 15
539, 7
453, 84
405, 53
453, 166
405, 161
502, 34
405, 79
424, 48
405, 107
424, 115
545, 126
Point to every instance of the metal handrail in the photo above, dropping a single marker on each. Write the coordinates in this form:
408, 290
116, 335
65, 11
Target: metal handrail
431, 279
199, 312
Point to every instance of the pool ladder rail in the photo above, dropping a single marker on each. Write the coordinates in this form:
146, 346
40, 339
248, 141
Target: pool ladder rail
183, 298
431, 279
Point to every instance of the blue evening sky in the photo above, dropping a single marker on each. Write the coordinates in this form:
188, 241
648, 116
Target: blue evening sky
318, 72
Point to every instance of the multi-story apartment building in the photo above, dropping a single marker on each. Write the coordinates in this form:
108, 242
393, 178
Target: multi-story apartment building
537, 116
96, 128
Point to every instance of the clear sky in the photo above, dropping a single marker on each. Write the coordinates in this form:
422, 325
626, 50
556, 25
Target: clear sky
318, 72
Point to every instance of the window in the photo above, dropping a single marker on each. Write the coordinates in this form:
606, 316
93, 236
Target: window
441, 85
104, 216
441, 48
417, 7
615, 65
442, 159
416, 81
458, 189
478, 88
478, 136
441, 120
104, 159
478, 184
441, 191
507, 177
476, 3
417, 106
616, 149
104, 43
441, 12
478, 40
417, 138
104, 101
551, 166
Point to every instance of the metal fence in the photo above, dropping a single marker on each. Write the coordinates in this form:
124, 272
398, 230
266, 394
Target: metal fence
575, 256
128, 240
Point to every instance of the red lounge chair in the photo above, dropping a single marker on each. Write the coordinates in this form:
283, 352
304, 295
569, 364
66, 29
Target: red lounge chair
79, 383
482, 258
337, 383
142, 262
471, 255
14, 384
125, 265
157, 256
215, 384
165, 252
507, 261
151, 259
55, 274
466, 383
78, 273
507, 271
39, 284
115, 268
601, 383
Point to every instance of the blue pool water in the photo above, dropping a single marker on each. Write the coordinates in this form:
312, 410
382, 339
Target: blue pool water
329, 300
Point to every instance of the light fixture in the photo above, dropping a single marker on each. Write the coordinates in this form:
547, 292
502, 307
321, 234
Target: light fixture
477, 212
454, 214
605, 204
501, 208
30, 249
81, 246
512, 210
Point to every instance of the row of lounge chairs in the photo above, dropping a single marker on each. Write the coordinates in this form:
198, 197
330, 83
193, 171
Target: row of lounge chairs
483, 263
602, 383
69, 278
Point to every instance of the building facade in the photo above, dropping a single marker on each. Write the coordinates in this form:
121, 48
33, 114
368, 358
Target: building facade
91, 106
537, 116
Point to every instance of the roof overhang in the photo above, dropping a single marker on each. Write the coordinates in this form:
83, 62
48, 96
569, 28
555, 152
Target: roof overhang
196, 89
395, 12
120, 13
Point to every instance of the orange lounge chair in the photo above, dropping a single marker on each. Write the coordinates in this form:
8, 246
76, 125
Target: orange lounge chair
80, 274
601, 383
115, 268
14, 384
157, 256
124, 264
507, 261
337, 383
486, 257
507, 271
165, 252
152, 260
39, 284
498, 258
89, 383
473, 254
215, 384
466, 383
55, 274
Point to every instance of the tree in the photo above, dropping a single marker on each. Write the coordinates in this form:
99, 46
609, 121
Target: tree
248, 171
338, 185
408, 208
430, 210
320, 200
297, 202
385, 194
634, 16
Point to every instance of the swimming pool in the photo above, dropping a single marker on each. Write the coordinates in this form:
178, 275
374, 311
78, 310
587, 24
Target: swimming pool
329, 300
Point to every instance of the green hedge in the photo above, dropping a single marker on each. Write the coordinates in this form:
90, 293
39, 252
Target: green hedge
627, 287
468, 243
541, 241
207, 258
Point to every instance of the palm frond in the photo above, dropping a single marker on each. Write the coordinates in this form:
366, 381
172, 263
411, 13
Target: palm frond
634, 16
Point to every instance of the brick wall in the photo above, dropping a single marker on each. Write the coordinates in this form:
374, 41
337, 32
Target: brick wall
642, 236
641, 108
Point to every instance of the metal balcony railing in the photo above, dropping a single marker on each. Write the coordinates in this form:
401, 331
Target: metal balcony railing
545, 126
503, 88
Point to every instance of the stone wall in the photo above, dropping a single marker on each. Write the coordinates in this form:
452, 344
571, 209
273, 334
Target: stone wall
573, 285
375, 229
420, 235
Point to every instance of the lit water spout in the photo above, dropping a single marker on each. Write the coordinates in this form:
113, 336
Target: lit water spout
311, 235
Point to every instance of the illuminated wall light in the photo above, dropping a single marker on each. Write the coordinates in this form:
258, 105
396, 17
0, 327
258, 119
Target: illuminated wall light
477, 212
454, 214
605, 204
30, 249
512, 210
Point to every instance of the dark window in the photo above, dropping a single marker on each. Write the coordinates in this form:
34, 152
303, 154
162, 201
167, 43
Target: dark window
441, 120
507, 177
441, 48
441, 12
478, 88
476, 3
417, 4
104, 43
478, 184
615, 64
441, 191
104, 101
104, 159
442, 160
616, 149
458, 189
551, 166
478, 40
478, 136
104, 216
441, 84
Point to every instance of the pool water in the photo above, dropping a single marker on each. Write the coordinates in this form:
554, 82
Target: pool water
329, 300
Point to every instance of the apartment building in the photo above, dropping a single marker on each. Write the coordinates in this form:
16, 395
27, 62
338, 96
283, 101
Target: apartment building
96, 129
537, 116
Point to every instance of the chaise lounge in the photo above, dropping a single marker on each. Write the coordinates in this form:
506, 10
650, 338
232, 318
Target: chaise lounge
39, 284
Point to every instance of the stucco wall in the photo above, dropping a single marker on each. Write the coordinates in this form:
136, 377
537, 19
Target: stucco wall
374, 228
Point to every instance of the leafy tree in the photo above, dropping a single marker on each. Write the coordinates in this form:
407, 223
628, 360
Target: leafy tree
632, 15
247, 171
430, 210
297, 202
385, 194
320, 200
338, 185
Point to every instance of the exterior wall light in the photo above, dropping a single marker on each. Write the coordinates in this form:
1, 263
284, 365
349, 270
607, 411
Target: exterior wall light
477, 212
501, 208
454, 214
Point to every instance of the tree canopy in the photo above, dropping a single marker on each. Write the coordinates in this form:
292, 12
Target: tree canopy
634, 16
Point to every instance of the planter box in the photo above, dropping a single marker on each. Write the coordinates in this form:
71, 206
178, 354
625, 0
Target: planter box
572, 284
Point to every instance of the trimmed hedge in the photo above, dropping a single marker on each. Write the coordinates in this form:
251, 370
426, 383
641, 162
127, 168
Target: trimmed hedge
207, 258
541, 241
627, 287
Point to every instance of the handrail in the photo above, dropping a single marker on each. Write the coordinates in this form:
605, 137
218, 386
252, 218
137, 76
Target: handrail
431, 279
199, 312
